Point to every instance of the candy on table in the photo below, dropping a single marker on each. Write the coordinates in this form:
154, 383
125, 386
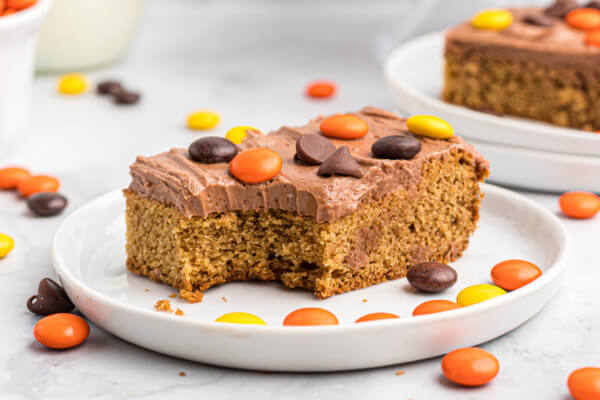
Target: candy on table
313, 149
340, 163
344, 126
203, 119
310, 316
126, 97
237, 134
584, 383
586, 19
493, 19
212, 149
51, 298
513, 274
478, 293
470, 366
376, 317
6, 244
109, 87
321, 89
37, 184
72, 84
240, 318
429, 126
432, 277
434, 306
61, 331
10, 177
256, 165
47, 204
579, 205
396, 147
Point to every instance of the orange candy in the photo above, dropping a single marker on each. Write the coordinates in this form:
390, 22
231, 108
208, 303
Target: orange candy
61, 331
470, 366
579, 204
310, 316
345, 126
376, 316
256, 165
321, 89
11, 176
513, 274
584, 383
20, 4
585, 19
38, 184
434, 306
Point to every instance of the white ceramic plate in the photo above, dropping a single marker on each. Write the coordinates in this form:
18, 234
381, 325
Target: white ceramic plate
88, 255
414, 72
541, 170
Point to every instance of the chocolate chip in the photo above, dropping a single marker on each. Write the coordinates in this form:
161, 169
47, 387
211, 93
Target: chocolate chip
561, 8
593, 4
313, 149
340, 163
212, 149
431, 277
109, 87
126, 98
396, 147
51, 298
47, 204
540, 20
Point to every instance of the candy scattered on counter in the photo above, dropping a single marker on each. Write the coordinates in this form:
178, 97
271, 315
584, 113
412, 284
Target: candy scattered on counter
396, 147
513, 274
313, 149
237, 134
51, 298
117, 91
340, 163
584, 383
432, 277
47, 204
37, 184
376, 317
6, 245
579, 205
321, 89
10, 177
344, 126
240, 318
126, 98
9, 7
434, 306
429, 126
478, 293
109, 87
470, 366
586, 19
493, 19
61, 331
310, 316
72, 84
212, 149
256, 165
201, 120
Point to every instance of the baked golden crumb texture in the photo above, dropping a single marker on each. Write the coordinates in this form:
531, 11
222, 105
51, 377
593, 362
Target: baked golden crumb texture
376, 243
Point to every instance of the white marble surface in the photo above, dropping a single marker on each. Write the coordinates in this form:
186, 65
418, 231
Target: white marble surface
250, 62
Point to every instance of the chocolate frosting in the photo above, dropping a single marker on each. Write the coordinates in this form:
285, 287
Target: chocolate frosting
555, 46
201, 189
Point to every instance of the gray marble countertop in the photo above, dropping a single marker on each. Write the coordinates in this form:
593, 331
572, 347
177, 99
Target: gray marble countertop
250, 62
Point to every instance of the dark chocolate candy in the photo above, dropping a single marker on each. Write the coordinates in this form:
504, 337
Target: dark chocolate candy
340, 163
396, 147
561, 8
47, 204
431, 277
51, 298
212, 149
314, 149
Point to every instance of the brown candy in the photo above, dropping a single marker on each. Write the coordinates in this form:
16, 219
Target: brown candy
431, 277
561, 8
109, 87
541, 20
126, 98
340, 163
212, 149
51, 298
314, 149
47, 204
396, 147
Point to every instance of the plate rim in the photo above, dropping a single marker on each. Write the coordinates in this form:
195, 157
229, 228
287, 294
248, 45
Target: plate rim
555, 270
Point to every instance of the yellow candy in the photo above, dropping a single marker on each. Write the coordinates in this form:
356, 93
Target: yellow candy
238, 134
6, 245
240, 318
430, 126
203, 120
72, 84
493, 19
478, 293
